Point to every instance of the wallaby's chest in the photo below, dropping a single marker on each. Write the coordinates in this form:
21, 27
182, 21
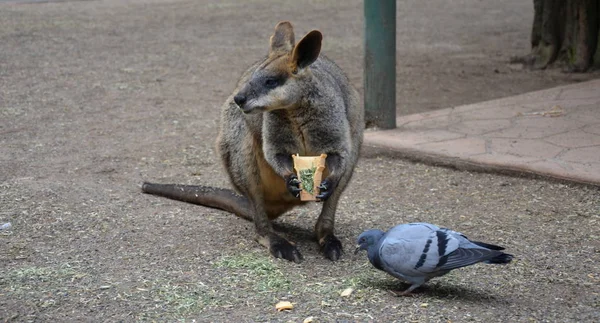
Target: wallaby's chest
295, 135
302, 136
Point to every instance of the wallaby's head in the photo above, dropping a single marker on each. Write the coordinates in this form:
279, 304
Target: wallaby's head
279, 81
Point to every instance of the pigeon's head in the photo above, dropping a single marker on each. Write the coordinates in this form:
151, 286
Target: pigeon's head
367, 239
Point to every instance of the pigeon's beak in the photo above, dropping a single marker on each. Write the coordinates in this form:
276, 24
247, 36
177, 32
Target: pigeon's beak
357, 249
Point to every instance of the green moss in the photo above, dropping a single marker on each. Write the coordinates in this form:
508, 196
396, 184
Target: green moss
259, 272
571, 55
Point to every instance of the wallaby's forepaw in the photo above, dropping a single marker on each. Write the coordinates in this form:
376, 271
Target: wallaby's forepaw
325, 189
332, 247
293, 185
281, 248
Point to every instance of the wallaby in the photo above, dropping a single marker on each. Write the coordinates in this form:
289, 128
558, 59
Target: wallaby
294, 101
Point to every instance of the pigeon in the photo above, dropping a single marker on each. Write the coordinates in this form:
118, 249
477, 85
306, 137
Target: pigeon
417, 252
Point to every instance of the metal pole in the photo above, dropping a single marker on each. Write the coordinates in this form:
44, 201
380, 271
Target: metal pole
380, 63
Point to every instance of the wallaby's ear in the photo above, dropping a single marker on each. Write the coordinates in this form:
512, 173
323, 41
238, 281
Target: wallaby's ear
283, 38
307, 51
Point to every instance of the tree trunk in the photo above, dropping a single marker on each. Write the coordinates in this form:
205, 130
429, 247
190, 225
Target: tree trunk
565, 33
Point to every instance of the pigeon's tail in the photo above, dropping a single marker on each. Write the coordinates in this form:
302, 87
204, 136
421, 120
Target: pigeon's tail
487, 245
502, 258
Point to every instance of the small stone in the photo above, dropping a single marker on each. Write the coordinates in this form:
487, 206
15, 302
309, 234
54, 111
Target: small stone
346, 292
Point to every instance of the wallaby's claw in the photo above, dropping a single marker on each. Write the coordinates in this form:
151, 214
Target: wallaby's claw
293, 185
325, 190
332, 247
281, 248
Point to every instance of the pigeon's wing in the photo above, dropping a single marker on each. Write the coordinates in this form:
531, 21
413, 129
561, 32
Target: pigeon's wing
398, 256
415, 249
464, 242
412, 231
432, 258
487, 245
462, 257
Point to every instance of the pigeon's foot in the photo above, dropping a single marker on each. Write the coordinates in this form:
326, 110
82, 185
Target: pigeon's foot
407, 292
404, 293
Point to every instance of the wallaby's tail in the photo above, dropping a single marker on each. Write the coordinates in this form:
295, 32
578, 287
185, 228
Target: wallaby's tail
220, 198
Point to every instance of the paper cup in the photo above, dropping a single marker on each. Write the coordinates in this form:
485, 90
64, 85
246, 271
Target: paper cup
309, 169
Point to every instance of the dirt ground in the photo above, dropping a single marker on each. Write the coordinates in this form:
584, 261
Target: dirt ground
98, 96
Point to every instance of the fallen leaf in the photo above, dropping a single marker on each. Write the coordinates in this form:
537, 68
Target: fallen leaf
424, 305
309, 319
556, 111
346, 292
284, 306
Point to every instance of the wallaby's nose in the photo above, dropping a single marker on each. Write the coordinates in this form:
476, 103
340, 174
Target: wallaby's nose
239, 99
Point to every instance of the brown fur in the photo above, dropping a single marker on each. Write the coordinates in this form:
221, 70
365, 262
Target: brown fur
293, 101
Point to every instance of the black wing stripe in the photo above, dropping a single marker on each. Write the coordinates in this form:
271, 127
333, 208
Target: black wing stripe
442, 242
423, 257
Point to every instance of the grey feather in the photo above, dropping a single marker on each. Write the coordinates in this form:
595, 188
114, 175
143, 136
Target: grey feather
417, 252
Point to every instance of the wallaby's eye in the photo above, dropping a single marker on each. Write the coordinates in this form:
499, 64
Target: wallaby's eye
271, 82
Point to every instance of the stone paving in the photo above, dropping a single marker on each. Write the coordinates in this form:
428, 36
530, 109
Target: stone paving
553, 133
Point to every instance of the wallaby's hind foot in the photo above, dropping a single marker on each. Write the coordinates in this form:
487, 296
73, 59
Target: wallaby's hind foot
331, 247
280, 247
